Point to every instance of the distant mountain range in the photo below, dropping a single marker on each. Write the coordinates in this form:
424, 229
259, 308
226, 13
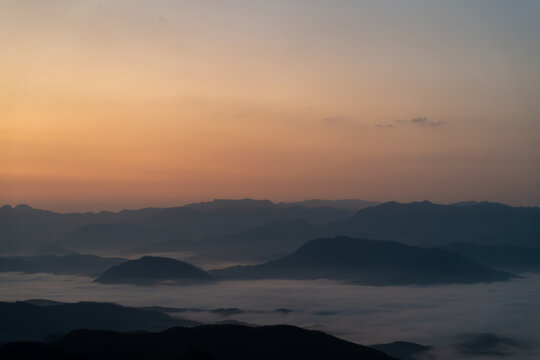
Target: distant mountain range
428, 224
149, 270
25, 230
259, 229
212, 342
420, 224
368, 262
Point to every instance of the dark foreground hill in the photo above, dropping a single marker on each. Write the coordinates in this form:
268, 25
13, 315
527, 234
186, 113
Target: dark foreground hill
368, 262
150, 270
219, 342
90, 265
21, 321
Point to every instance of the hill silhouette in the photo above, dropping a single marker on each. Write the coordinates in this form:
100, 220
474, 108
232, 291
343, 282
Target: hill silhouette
149, 270
23, 321
368, 262
216, 342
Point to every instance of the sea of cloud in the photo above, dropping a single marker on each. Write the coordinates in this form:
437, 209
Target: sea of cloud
433, 315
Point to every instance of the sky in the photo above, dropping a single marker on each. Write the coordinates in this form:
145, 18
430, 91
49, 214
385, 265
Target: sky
129, 103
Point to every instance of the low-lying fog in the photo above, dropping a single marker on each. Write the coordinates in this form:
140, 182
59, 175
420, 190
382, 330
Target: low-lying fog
362, 314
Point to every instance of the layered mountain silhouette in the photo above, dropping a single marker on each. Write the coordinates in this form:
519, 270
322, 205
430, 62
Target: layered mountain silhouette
419, 224
90, 265
150, 270
428, 224
26, 230
219, 342
259, 229
504, 257
219, 218
22, 321
368, 262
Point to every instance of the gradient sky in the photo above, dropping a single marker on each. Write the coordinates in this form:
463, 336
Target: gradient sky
130, 103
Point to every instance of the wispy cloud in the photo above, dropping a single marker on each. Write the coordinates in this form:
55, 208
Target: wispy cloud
417, 121
424, 121
342, 121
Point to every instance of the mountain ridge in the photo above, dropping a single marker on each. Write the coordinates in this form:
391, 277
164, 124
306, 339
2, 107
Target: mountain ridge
217, 342
150, 270
367, 262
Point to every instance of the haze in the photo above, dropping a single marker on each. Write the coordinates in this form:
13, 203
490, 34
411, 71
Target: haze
114, 104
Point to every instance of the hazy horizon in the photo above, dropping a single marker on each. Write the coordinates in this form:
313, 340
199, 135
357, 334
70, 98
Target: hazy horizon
82, 209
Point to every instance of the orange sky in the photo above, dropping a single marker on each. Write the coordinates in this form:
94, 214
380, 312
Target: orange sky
123, 104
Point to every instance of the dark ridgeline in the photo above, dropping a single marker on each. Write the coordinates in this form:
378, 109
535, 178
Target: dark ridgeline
404, 350
89, 265
368, 262
37, 320
150, 270
219, 342
504, 257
